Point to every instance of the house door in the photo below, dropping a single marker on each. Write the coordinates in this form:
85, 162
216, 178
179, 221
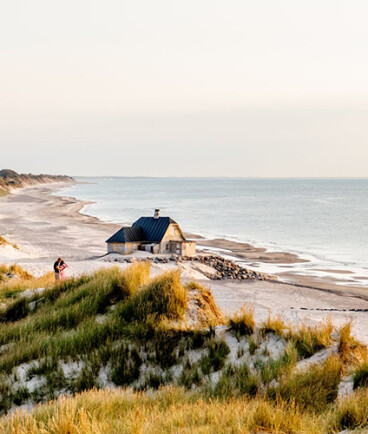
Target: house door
178, 248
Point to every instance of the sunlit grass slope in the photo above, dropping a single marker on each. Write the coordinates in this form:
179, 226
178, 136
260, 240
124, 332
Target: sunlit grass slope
120, 328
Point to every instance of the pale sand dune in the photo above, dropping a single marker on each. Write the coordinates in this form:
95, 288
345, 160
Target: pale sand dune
46, 227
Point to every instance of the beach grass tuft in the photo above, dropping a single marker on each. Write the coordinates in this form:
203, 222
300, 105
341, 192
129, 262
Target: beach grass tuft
361, 376
308, 340
315, 388
275, 325
243, 323
164, 297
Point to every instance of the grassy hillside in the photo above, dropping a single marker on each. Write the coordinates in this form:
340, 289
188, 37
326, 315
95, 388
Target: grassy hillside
9, 179
121, 328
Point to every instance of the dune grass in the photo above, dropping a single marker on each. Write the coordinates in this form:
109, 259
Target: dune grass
315, 388
361, 376
102, 319
207, 310
243, 323
173, 410
14, 271
308, 340
274, 325
163, 297
122, 326
4, 242
14, 279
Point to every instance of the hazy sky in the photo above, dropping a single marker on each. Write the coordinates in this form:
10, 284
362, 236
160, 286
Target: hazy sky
194, 87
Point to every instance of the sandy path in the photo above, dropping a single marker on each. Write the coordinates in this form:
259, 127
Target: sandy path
294, 304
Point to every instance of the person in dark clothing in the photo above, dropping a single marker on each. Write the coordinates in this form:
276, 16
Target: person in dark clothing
57, 266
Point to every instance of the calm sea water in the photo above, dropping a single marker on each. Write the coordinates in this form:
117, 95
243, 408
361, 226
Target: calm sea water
324, 220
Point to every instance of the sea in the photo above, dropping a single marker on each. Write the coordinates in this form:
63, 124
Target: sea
322, 220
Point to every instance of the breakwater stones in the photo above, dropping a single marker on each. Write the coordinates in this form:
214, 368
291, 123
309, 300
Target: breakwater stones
224, 268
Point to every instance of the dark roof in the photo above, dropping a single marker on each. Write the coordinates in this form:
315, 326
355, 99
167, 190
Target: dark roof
127, 234
153, 229
146, 229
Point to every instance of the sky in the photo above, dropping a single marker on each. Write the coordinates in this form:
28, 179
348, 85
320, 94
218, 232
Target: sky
184, 88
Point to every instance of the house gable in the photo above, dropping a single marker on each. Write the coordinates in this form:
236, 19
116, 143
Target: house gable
173, 233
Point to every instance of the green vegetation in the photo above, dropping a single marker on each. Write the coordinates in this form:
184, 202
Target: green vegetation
112, 320
313, 389
242, 323
164, 297
361, 376
121, 328
308, 340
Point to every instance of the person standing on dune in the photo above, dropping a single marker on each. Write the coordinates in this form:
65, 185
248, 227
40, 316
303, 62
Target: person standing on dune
62, 267
57, 269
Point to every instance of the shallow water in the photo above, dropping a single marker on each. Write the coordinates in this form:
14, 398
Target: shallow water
325, 220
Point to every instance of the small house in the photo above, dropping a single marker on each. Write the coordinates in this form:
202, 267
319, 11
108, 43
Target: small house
152, 234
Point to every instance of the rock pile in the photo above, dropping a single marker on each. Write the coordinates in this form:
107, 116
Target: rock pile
225, 268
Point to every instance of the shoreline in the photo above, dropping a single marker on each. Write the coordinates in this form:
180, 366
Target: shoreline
69, 209
288, 264
46, 226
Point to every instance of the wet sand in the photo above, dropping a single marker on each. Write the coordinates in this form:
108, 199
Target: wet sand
45, 227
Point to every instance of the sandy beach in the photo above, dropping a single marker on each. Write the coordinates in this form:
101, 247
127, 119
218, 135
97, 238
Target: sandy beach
45, 227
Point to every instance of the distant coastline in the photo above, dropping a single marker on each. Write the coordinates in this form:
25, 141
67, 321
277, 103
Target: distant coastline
10, 180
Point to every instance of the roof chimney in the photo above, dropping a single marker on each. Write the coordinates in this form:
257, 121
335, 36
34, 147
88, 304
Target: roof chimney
156, 214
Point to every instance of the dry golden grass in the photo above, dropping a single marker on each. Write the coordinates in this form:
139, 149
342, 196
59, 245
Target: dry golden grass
8, 272
163, 298
136, 275
308, 340
275, 325
169, 411
243, 323
4, 242
207, 311
173, 410
23, 280
351, 351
